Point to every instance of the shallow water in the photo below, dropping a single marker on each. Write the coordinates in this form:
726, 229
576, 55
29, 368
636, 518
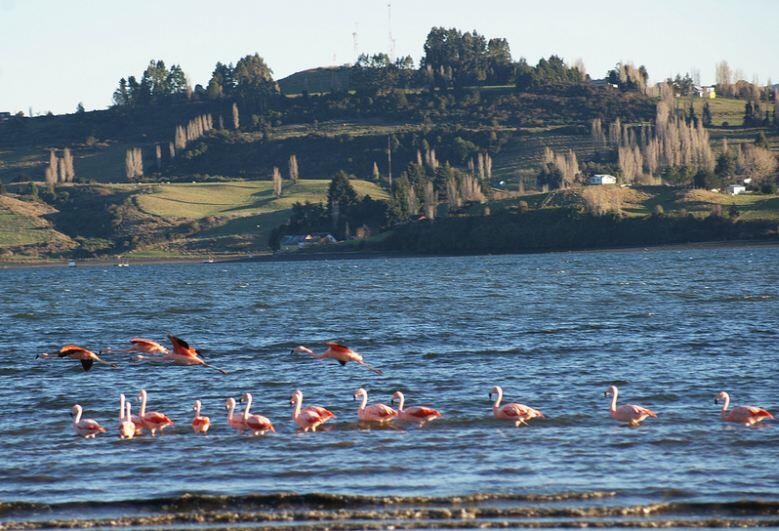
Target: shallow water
671, 328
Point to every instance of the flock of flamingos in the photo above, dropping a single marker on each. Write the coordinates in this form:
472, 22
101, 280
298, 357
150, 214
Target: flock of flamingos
309, 418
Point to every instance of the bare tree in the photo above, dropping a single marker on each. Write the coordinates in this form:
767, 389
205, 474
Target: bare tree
52, 170
376, 174
276, 182
158, 156
236, 118
293, 168
430, 201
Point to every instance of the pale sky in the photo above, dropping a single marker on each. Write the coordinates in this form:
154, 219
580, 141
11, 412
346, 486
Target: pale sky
56, 53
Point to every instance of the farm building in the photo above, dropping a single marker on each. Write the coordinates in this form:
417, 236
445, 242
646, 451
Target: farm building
294, 242
601, 178
735, 189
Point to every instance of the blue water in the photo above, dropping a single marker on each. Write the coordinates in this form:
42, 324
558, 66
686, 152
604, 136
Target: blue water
671, 328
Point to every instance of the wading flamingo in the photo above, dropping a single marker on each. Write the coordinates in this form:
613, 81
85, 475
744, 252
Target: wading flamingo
153, 420
379, 413
419, 414
86, 428
146, 346
341, 353
200, 423
74, 352
308, 418
517, 413
234, 422
182, 354
129, 415
257, 424
629, 413
747, 415
126, 426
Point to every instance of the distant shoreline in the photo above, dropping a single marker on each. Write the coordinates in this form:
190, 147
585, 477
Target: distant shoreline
366, 255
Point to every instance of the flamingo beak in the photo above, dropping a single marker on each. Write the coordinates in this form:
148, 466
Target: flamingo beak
354, 397
605, 394
716, 401
489, 395
292, 351
392, 401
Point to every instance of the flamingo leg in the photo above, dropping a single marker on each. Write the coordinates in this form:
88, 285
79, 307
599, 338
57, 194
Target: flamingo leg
371, 367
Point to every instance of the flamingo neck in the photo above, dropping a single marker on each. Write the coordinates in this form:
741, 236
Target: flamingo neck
298, 405
230, 412
77, 418
197, 410
614, 400
121, 407
498, 399
248, 406
401, 401
725, 405
128, 412
363, 403
143, 404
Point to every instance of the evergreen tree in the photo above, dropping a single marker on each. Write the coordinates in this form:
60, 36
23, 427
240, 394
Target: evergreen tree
706, 115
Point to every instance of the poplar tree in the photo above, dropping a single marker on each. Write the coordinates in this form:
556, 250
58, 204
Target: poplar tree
276, 182
376, 174
293, 169
236, 118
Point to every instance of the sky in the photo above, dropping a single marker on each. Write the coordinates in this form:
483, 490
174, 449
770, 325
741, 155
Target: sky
56, 53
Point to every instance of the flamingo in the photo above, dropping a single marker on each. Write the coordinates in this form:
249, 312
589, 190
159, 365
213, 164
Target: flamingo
338, 352
129, 415
126, 425
747, 415
75, 352
310, 417
630, 413
418, 414
234, 422
153, 420
182, 354
86, 428
518, 413
200, 423
257, 424
379, 413
147, 346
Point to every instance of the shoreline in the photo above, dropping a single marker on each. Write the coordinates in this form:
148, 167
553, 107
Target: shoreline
368, 255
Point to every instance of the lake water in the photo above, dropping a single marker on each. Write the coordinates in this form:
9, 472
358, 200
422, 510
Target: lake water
671, 328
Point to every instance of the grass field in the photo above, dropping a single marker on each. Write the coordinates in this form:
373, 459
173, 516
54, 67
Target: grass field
245, 209
21, 224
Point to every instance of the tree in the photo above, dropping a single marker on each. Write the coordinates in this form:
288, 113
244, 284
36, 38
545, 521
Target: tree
376, 174
236, 117
67, 164
254, 79
340, 196
706, 114
277, 182
52, 170
293, 169
80, 108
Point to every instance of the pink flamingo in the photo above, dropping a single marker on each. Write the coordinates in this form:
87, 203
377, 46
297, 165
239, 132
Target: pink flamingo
153, 420
747, 415
126, 425
257, 424
200, 423
310, 417
234, 422
418, 414
379, 413
182, 354
341, 353
86, 428
630, 413
74, 352
146, 346
517, 413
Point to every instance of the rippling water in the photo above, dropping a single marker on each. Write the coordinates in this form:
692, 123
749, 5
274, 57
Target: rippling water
671, 328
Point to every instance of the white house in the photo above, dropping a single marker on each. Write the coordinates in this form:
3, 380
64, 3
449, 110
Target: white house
601, 178
735, 189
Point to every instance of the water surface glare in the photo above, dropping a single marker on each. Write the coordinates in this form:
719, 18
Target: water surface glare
671, 328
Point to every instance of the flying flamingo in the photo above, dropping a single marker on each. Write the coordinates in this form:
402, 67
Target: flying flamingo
153, 420
126, 425
234, 422
420, 414
379, 413
340, 353
75, 352
86, 428
257, 424
200, 423
182, 354
146, 346
630, 413
310, 417
518, 413
747, 415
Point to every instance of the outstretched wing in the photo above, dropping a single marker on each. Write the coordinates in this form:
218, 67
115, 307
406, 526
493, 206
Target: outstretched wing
67, 350
178, 343
337, 347
141, 341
